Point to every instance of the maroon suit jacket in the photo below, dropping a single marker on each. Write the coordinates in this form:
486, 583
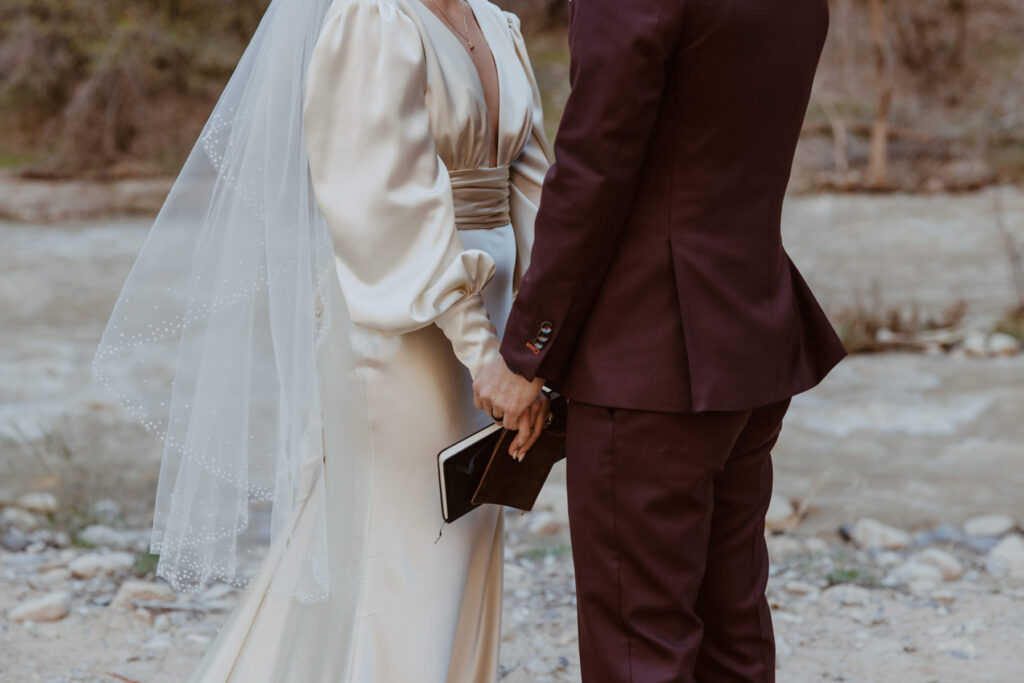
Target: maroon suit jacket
658, 278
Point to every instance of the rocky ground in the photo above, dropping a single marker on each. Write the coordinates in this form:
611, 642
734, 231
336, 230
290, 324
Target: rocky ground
875, 604
928, 444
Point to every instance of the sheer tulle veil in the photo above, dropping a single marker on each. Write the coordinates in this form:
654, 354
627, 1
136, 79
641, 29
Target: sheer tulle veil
212, 345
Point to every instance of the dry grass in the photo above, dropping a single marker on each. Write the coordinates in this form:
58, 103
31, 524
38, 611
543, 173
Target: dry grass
873, 326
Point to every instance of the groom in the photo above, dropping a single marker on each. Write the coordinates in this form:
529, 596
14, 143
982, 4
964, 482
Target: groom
661, 302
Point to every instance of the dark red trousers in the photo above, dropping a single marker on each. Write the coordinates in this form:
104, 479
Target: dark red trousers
667, 515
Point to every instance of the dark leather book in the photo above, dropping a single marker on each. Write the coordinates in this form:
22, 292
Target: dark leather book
479, 470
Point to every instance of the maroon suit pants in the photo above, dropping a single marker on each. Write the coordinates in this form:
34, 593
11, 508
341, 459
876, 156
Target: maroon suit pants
666, 515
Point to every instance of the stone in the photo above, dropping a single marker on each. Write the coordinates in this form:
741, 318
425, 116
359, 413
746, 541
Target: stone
913, 571
816, 546
949, 566
15, 541
543, 523
162, 623
943, 533
50, 607
990, 525
22, 520
56, 575
1002, 344
870, 533
158, 641
975, 345
982, 544
848, 595
130, 591
781, 514
143, 615
888, 559
106, 510
800, 588
39, 501
964, 175
1007, 558
91, 565
101, 535
784, 548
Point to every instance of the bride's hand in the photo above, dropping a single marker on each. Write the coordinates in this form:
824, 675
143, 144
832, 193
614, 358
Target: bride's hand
531, 424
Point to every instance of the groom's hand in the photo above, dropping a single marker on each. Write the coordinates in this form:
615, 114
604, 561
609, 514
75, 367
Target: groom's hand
503, 394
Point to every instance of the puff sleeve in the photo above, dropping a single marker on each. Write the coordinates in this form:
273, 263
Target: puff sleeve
530, 167
382, 188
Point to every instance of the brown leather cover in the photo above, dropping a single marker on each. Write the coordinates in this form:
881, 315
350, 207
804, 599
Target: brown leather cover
507, 481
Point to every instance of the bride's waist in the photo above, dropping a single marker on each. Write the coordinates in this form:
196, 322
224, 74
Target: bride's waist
481, 197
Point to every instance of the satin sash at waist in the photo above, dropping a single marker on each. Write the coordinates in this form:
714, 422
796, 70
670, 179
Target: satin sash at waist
481, 197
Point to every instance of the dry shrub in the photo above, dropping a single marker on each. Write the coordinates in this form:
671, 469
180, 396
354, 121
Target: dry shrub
86, 70
873, 326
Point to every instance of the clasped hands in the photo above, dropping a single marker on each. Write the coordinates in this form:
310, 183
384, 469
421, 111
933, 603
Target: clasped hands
513, 402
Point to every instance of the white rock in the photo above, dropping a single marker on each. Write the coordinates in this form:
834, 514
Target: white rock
543, 523
800, 588
162, 623
106, 510
100, 564
38, 501
158, 641
1001, 344
990, 525
816, 546
870, 533
1007, 558
949, 566
144, 615
944, 596
19, 519
976, 345
888, 559
55, 575
50, 607
913, 571
141, 590
780, 515
962, 648
849, 595
782, 548
104, 536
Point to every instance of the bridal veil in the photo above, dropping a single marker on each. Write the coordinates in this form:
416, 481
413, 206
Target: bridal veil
212, 344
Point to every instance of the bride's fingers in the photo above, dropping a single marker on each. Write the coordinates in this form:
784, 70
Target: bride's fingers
532, 420
538, 427
524, 427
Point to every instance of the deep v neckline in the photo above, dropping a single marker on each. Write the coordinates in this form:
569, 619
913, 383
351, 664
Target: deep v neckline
494, 131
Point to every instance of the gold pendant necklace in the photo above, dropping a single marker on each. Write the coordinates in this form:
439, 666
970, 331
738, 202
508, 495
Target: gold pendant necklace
465, 22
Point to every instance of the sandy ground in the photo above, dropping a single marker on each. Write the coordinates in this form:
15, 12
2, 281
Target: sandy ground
913, 440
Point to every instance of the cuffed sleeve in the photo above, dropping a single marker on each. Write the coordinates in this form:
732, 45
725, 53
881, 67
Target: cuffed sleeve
618, 54
383, 190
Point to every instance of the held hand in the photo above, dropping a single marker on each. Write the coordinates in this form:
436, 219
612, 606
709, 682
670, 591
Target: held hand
531, 424
503, 394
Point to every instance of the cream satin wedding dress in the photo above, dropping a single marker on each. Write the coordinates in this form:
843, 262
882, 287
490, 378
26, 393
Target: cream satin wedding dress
430, 244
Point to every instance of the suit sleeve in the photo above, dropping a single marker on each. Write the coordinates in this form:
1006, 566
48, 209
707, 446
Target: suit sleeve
618, 61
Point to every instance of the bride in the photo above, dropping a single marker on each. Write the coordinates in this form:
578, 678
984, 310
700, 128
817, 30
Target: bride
333, 266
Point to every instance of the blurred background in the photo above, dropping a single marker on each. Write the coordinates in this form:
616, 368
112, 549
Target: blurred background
895, 529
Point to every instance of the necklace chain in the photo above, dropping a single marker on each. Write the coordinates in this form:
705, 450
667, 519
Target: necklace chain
465, 36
